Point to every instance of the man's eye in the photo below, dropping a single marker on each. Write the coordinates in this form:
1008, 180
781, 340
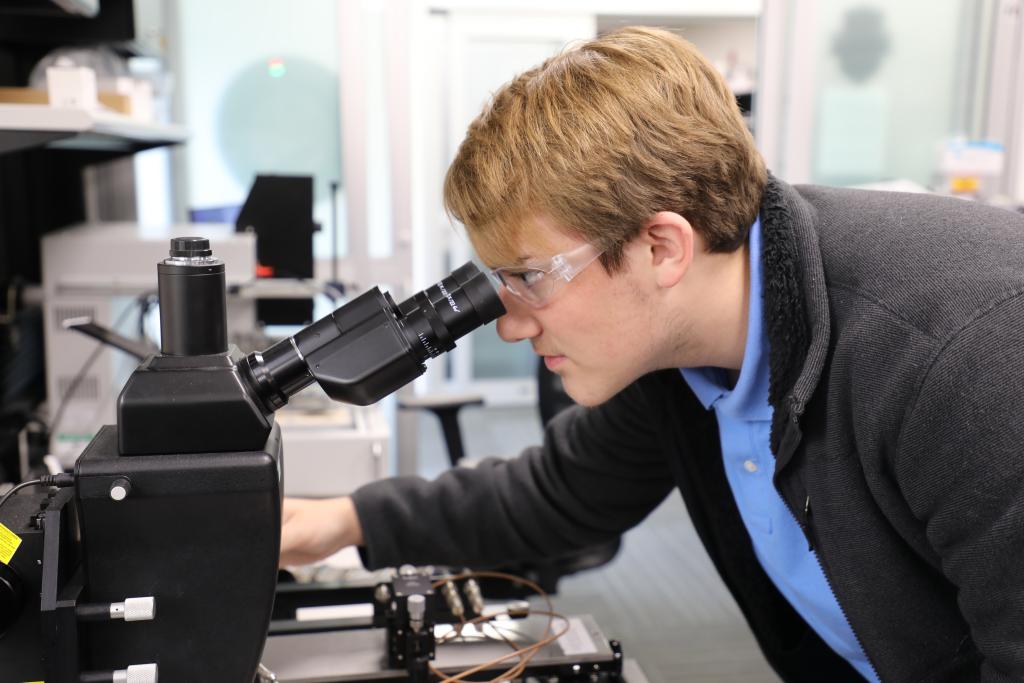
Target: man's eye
527, 277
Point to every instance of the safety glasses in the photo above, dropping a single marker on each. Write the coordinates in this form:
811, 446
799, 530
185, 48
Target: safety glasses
536, 284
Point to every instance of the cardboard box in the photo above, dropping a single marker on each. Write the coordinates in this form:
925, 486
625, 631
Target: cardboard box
111, 100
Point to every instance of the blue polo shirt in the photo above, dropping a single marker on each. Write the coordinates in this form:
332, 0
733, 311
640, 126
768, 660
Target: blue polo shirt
744, 422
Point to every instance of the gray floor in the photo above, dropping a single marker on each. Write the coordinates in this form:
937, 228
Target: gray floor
486, 431
660, 596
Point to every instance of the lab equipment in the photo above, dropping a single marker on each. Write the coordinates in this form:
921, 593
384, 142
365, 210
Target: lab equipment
178, 505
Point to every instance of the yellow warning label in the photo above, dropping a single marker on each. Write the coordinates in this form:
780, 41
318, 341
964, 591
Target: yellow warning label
9, 542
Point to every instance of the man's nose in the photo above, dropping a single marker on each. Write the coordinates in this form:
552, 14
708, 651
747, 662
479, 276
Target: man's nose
518, 323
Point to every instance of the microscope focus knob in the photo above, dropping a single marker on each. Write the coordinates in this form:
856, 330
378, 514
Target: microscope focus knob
134, 609
137, 673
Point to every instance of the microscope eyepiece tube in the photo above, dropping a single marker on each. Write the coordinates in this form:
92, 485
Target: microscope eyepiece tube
193, 309
371, 346
464, 300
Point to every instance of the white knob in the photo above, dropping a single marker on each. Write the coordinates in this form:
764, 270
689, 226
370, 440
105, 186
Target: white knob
137, 673
120, 489
134, 609
417, 606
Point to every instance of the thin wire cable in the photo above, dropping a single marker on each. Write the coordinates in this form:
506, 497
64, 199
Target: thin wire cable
526, 653
521, 666
24, 484
58, 480
530, 650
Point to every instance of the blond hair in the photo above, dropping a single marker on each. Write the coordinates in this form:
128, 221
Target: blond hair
601, 137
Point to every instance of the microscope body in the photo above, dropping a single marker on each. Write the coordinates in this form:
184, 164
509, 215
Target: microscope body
181, 501
200, 533
162, 555
197, 531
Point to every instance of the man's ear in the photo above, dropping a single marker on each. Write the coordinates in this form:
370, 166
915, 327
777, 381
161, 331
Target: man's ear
668, 241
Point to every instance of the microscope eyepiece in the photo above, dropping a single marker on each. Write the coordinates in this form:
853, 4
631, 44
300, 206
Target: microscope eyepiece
190, 247
434, 318
372, 346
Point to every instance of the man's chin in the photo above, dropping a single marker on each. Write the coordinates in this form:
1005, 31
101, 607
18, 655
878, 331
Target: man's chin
586, 395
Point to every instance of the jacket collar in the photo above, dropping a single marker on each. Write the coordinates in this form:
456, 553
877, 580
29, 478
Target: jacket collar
796, 316
795, 309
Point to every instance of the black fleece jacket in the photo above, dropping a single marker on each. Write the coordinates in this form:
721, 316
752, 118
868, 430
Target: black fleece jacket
896, 336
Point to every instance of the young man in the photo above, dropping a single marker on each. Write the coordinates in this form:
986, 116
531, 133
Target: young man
833, 379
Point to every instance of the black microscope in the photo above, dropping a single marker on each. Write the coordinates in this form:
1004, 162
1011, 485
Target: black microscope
159, 554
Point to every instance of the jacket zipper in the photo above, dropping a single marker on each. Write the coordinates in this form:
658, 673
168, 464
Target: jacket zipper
806, 527
807, 531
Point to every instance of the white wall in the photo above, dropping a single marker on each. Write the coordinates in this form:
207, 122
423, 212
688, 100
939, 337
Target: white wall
716, 37
219, 43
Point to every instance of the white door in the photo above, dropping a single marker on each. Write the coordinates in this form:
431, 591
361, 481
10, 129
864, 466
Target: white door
481, 51
856, 92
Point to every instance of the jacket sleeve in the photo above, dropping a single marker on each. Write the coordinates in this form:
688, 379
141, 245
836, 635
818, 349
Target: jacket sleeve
961, 469
599, 472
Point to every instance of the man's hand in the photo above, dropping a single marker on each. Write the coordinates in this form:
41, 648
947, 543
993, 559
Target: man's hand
314, 529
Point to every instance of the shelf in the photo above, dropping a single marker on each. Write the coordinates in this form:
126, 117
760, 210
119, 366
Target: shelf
23, 126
